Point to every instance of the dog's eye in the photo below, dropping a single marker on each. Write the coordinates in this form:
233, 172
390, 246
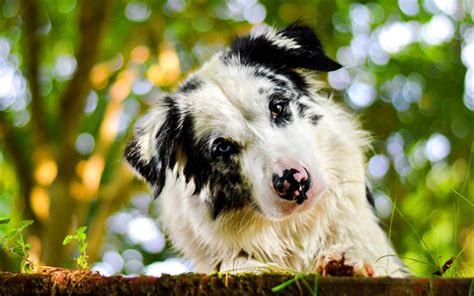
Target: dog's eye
276, 109
224, 148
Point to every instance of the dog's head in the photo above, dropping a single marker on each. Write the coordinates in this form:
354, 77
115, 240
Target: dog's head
242, 128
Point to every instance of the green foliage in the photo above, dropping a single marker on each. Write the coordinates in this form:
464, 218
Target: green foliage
421, 92
12, 241
79, 236
4, 221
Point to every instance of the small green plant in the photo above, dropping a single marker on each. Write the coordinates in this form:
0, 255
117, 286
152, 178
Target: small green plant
438, 266
80, 236
13, 243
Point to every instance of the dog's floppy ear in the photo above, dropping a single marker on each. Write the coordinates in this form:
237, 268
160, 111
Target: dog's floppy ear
296, 46
153, 149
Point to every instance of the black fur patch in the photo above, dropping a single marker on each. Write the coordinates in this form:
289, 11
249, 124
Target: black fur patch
166, 143
147, 170
261, 73
167, 139
370, 197
259, 50
298, 81
190, 85
304, 110
228, 189
311, 55
314, 119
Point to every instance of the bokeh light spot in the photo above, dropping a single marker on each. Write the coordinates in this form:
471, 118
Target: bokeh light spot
437, 147
144, 231
409, 7
137, 12
383, 206
170, 266
438, 30
378, 166
64, 67
91, 103
361, 95
85, 143
113, 259
65, 6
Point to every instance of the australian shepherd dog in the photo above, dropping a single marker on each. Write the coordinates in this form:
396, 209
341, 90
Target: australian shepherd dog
255, 168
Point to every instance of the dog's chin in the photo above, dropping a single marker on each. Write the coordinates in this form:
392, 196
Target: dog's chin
277, 208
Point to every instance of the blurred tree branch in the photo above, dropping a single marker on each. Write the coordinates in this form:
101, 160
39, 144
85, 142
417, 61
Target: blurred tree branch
92, 23
33, 44
23, 164
111, 198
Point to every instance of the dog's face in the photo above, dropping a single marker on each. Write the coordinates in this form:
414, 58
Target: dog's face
241, 129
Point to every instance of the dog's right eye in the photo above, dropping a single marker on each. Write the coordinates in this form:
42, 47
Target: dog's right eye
277, 109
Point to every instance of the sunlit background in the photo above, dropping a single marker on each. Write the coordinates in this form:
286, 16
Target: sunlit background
65, 116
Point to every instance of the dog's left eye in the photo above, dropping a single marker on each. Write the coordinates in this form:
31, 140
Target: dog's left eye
224, 148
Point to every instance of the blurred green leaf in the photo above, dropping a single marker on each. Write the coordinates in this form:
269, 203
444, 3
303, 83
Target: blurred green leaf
68, 239
4, 221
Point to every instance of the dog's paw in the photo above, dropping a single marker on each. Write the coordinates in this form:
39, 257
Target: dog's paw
343, 265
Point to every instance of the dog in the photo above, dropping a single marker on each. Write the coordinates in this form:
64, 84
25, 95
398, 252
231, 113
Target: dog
256, 168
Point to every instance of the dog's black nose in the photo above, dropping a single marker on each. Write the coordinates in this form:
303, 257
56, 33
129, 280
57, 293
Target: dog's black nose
292, 185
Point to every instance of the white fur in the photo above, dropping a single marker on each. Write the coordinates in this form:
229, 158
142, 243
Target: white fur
279, 40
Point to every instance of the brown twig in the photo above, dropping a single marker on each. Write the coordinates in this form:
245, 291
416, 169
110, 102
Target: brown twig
92, 24
11, 139
33, 45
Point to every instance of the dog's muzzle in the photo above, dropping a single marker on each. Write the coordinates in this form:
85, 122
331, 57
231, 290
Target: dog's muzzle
292, 184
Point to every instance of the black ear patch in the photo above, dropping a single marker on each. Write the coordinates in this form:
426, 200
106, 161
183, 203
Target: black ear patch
147, 170
294, 47
164, 155
311, 55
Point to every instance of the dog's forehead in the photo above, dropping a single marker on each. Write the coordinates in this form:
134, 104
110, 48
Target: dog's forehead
231, 99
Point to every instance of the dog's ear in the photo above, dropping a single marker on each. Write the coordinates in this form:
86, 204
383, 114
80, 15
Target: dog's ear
153, 149
296, 46
310, 54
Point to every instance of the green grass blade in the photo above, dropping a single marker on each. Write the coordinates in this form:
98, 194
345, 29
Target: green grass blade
417, 235
471, 288
463, 197
288, 282
283, 285
316, 288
